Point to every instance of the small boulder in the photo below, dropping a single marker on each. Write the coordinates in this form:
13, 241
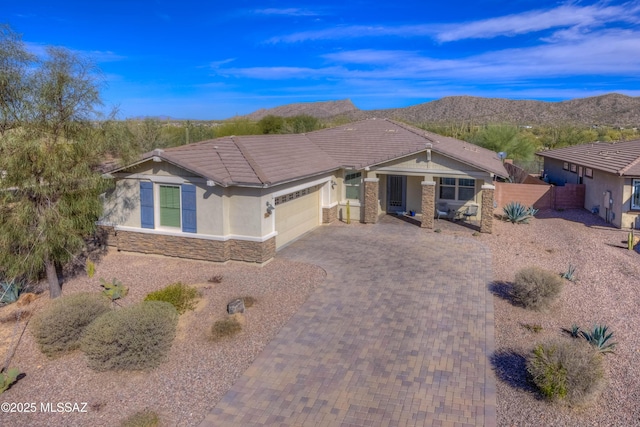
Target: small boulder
235, 306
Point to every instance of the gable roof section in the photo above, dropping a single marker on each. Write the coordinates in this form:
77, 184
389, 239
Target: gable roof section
620, 158
370, 142
264, 160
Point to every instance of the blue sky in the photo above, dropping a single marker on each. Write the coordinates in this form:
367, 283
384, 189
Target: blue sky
214, 59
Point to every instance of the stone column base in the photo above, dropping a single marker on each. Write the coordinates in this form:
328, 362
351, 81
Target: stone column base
428, 205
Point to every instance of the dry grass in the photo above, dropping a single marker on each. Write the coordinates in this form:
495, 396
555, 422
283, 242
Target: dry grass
227, 327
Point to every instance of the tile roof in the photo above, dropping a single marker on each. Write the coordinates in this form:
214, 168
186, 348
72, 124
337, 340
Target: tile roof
263, 160
620, 158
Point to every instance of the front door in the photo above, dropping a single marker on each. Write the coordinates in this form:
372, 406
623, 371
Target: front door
396, 193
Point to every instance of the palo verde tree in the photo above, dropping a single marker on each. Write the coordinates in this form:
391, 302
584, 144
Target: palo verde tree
50, 150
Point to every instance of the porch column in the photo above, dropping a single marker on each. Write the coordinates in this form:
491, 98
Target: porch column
486, 210
371, 200
428, 203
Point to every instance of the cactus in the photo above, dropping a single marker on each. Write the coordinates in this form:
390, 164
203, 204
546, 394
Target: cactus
518, 213
8, 378
114, 290
348, 213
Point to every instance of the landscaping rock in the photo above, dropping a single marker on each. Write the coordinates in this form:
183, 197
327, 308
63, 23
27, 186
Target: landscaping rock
235, 306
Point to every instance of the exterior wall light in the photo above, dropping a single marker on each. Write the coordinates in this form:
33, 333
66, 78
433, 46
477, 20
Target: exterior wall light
270, 208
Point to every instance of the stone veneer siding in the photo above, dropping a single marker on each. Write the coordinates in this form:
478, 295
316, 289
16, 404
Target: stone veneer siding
371, 200
192, 248
428, 205
329, 215
486, 210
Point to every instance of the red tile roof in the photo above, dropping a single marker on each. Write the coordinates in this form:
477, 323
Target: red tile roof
265, 160
620, 158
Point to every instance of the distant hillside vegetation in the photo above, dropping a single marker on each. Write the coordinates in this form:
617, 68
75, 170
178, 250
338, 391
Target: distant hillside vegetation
320, 110
610, 110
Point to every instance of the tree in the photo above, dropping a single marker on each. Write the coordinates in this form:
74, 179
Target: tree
517, 145
49, 158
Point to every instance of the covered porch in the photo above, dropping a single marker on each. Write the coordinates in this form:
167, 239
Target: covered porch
417, 195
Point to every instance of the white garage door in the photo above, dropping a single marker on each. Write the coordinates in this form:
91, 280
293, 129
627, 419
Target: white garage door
296, 213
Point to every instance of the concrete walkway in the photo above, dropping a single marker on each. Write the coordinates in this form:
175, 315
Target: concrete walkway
398, 335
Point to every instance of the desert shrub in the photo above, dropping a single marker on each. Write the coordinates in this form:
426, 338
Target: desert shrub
131, 338
248, 301
536, 288
181, 296
226, 327
59, 327
568, 371
144, 418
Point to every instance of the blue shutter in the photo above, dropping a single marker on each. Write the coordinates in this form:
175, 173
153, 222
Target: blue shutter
146, 204
189, 208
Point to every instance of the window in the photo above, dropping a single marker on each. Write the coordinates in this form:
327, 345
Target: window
169, 206
565, 166
635, 198
463, 189
574, 168
466, 189
588, 172
448, 188
352, 185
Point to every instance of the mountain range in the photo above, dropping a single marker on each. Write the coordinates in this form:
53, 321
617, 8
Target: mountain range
608, 110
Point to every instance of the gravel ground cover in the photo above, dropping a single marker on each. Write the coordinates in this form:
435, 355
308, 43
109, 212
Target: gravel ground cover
198, 371
607, 292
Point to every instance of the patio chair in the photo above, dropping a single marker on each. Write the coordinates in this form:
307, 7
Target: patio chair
442, 210
471, 210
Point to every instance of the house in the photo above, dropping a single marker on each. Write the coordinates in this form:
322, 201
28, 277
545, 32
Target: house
245, 197
610, 173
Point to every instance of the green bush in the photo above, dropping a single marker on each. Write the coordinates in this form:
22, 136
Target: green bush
571, 372
59, 327
226, 327
144, 418
181, 296
536, 288
131, 338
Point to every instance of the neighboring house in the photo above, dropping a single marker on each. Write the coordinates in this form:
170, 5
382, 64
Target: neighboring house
244, 197
610, 173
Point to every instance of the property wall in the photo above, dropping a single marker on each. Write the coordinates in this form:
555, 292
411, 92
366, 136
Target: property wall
569, 196
538, 196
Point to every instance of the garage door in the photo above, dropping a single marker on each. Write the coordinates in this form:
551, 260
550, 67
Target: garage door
296, 213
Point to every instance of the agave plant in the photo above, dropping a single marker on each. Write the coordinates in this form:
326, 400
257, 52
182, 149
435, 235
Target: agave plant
599, 339
7, 378
570, 274
574, 332
518, 213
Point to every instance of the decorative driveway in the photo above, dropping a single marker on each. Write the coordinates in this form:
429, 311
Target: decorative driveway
399, 334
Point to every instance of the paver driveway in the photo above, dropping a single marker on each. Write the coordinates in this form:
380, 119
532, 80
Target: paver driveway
398, 335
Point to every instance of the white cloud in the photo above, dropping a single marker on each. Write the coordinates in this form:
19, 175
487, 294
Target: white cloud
571, 17
291, 11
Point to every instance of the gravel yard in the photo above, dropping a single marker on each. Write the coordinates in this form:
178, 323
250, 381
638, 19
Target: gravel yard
607, 292
199, 372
